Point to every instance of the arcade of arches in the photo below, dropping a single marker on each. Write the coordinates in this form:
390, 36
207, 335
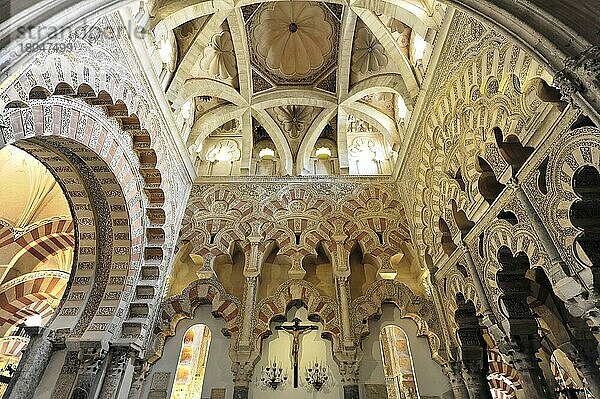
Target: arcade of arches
342, 199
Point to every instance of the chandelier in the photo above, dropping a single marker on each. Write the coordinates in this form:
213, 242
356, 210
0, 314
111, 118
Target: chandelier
316, 375
273, 376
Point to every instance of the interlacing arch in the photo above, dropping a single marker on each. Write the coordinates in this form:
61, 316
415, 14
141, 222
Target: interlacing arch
574, 150
485, 94
200, 292
296, 292
519, 239
420, 310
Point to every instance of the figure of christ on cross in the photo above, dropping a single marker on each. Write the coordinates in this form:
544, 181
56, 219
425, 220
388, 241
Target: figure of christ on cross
296, 330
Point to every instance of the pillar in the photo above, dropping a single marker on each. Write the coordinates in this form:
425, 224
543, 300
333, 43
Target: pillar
242, 373
248, 310
33, 364
475, 379
119, 374
453, 371
522, 356
91, 373
343, 293
349, 371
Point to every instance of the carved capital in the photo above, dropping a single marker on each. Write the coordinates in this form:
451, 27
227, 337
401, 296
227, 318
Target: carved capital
349, 371
578, 74
242, 372
453, 371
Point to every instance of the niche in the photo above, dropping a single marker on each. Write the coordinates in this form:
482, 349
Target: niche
489, 187
511, 149
319, 272
363, 272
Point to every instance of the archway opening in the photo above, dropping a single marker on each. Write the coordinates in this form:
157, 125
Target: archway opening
37, 250
191, 367
398, 366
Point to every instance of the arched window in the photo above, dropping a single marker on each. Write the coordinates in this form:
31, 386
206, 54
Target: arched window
397, 363
191, 366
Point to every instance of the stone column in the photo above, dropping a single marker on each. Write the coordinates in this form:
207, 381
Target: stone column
475, 378
33, 364
91, 373
453, 371
343, 293
521, 353
349, 371
116, 383
485, 303
242, 373
248, 310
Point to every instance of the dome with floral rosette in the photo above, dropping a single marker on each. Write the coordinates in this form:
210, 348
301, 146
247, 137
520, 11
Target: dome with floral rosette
293, 41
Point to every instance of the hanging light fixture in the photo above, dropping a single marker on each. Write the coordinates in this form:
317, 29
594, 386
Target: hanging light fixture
316, 375
273, 376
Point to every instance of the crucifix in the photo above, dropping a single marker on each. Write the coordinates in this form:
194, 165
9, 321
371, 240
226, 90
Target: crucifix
296, 330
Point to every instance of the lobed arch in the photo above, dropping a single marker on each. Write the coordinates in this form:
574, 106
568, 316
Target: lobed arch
575, 150
198, 293
296, 292
412, 306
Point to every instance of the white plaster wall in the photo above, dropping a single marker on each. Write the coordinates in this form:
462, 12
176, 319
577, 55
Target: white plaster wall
48, 382
431, 381
312, 347
218, 366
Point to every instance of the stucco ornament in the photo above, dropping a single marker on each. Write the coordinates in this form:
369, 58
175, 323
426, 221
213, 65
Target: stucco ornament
218, 58
293, 37
369, 54
293, 119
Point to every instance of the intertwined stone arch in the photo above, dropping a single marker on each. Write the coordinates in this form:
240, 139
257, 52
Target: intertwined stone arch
320, 309
200, 292
419, 309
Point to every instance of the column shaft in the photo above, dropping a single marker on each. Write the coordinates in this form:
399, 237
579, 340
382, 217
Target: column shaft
476, 380
453, 371
32, 366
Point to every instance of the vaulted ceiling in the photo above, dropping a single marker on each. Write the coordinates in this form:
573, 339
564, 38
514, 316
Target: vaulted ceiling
291, 72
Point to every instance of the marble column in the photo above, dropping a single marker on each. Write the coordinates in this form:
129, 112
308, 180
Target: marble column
453, 371
343, 291
33, 364
476, 279
248, 310
476, 379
